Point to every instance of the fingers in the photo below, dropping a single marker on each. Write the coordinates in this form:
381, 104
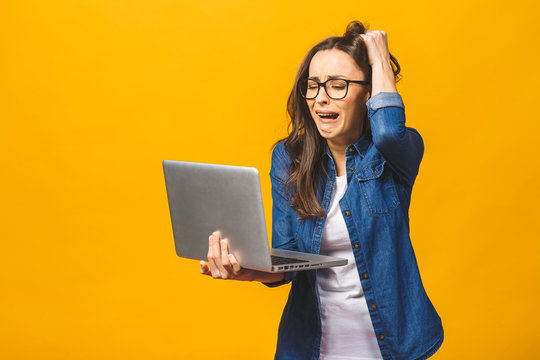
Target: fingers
225, 258
375, 38
204, 269
224, 252
376, 43
234, 264
374, 33
229, 260
222, 264
218, 257
213, 251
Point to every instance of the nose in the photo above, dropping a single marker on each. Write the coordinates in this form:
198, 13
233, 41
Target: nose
322, 96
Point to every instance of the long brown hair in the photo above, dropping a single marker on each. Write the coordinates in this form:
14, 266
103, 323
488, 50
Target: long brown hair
304, 144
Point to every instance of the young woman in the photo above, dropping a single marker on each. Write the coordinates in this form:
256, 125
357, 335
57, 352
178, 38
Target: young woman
341, 186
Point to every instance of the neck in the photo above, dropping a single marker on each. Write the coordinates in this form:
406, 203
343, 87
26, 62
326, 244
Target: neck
338, 150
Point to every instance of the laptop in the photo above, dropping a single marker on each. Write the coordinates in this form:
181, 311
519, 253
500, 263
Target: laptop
204, 198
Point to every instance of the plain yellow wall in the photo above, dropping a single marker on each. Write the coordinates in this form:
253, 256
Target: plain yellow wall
95, 94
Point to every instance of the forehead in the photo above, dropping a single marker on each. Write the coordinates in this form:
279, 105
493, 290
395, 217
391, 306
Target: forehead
333, 62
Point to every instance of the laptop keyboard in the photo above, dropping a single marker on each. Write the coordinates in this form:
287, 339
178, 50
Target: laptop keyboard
278, 260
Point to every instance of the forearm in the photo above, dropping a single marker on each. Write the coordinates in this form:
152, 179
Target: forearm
402, 147
266, 277
382, 78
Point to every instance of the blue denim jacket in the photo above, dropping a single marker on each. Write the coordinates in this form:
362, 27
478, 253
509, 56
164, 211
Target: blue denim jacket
381, 171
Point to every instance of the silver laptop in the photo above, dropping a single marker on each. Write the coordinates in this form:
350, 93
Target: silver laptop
204, 198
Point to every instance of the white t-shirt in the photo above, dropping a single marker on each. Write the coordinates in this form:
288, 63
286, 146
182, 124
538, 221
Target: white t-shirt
347, 331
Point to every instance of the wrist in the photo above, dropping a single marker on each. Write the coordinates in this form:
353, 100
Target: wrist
382, 78
382, 64
270, 277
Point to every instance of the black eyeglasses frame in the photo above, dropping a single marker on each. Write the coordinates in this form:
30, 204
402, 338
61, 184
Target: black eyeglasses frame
323, 84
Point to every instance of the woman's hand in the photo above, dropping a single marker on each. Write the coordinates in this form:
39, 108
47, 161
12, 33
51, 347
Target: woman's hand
377, 46
222, 265
382, 76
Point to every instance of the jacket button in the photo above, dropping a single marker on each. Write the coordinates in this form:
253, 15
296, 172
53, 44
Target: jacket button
348, 213
374, 306
356, 246
381, 337
364, 275
351, 149
351, 168
375, 171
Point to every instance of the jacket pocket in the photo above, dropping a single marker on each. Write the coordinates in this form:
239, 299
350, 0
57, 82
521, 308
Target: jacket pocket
378, 188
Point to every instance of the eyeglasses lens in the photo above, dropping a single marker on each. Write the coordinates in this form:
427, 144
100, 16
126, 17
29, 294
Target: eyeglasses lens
336, 89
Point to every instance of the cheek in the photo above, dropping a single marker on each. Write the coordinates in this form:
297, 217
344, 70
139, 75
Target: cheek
356, 109
353, 115
310, 104
348, 110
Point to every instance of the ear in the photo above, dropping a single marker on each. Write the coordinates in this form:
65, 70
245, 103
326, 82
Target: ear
368, 95
368, 92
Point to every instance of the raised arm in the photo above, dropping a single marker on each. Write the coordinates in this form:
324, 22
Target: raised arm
401, 146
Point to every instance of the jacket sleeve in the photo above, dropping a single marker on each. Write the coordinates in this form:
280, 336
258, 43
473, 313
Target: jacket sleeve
401, 146
283, 215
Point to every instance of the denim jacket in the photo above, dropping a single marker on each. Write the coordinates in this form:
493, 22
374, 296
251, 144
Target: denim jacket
381, 170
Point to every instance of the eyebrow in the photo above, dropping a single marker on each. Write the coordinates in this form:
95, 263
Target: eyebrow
329, 77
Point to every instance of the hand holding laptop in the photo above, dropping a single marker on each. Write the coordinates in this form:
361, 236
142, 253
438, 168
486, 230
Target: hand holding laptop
205, 197
223, 265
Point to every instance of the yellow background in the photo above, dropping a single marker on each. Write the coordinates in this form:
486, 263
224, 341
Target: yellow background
95, 94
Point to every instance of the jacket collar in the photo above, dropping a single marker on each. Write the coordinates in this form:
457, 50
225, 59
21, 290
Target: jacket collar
360, 146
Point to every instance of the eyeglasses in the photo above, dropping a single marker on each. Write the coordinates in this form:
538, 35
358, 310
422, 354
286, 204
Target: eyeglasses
335, 88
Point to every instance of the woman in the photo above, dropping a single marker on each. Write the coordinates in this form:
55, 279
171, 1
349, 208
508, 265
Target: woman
341, 185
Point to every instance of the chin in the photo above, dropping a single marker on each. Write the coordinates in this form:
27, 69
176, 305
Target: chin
327, 135
328, 132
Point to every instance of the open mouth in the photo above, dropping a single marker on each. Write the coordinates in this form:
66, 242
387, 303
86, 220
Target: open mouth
327, 115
